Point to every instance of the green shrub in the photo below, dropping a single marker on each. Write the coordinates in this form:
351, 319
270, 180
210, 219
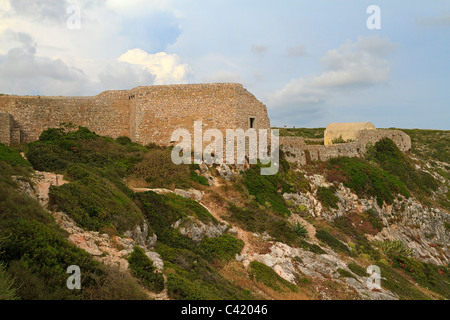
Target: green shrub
160, 215
191, 277
158, 170
223, 248
95, 203
391, 159
57, 148
180, 288
374, 220
7, 289
357, 269
362, 245
142, 267
330, 240
338, 140
300, 229
394, 248
344, 273
12, 157
267, 189
115, 285
195, 176
255, 219
314, 248
328, 197
262, 273
396, 283
366, 179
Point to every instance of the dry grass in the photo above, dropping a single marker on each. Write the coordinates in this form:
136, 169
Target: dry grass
236, 274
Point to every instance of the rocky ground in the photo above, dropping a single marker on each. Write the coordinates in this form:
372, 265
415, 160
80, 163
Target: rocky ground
419, 227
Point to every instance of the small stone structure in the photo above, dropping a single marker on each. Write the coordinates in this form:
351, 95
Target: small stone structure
345, 131
296, 150
144, 114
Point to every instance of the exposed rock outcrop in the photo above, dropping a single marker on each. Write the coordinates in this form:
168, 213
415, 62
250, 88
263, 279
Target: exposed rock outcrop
197, 230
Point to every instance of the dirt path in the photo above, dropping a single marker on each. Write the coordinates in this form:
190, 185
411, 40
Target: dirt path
217, 212
43, 182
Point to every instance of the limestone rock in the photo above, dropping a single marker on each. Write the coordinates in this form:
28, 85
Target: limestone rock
189, 194
225, 171
197, 230
156, 258
141, 237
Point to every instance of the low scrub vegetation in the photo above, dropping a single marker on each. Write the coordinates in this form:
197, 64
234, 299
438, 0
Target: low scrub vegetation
142, 267
328, 197
266, 275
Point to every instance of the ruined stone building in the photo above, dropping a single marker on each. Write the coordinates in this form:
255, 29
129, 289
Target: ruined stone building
345, 131
357, 136
151, 114
145, 114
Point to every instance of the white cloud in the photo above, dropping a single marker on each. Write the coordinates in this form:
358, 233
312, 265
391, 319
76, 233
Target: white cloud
23, 71
122, 75
166, 67
136, 8
442, 20
353, 65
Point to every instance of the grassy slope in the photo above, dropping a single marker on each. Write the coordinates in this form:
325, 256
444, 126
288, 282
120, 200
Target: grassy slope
195, 271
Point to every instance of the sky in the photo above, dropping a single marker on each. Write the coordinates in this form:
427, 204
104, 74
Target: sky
310, 62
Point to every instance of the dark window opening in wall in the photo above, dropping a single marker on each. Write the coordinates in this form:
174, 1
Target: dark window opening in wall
251, 123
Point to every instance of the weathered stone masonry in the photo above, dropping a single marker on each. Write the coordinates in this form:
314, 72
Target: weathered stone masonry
151, 114
145, 114
297, 150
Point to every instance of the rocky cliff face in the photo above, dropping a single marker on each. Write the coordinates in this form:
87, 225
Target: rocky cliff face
420, 227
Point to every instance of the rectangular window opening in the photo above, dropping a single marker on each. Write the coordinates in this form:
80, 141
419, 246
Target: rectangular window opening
251, 123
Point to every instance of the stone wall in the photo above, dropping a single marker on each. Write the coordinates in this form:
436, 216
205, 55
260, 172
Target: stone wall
145, 114
160, 110
345, 131
297, 151
106, 114
5, 128
401, 139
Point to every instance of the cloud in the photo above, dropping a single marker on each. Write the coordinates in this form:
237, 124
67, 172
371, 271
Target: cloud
442, 20
41, 10
259, 49
141, 7
122, 75
296, 51
166, 67
352, 66
24, 72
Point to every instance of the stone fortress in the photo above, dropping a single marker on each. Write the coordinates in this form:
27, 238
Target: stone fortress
144, 114
150, 115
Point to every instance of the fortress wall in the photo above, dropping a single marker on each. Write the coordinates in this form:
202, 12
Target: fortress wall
145, 114
106, 114
160, 110
401, 139
294, 142
247, 106
297, 151
5, 128
303, 154
346, 131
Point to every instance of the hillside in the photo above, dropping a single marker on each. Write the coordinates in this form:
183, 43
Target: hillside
125, 214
